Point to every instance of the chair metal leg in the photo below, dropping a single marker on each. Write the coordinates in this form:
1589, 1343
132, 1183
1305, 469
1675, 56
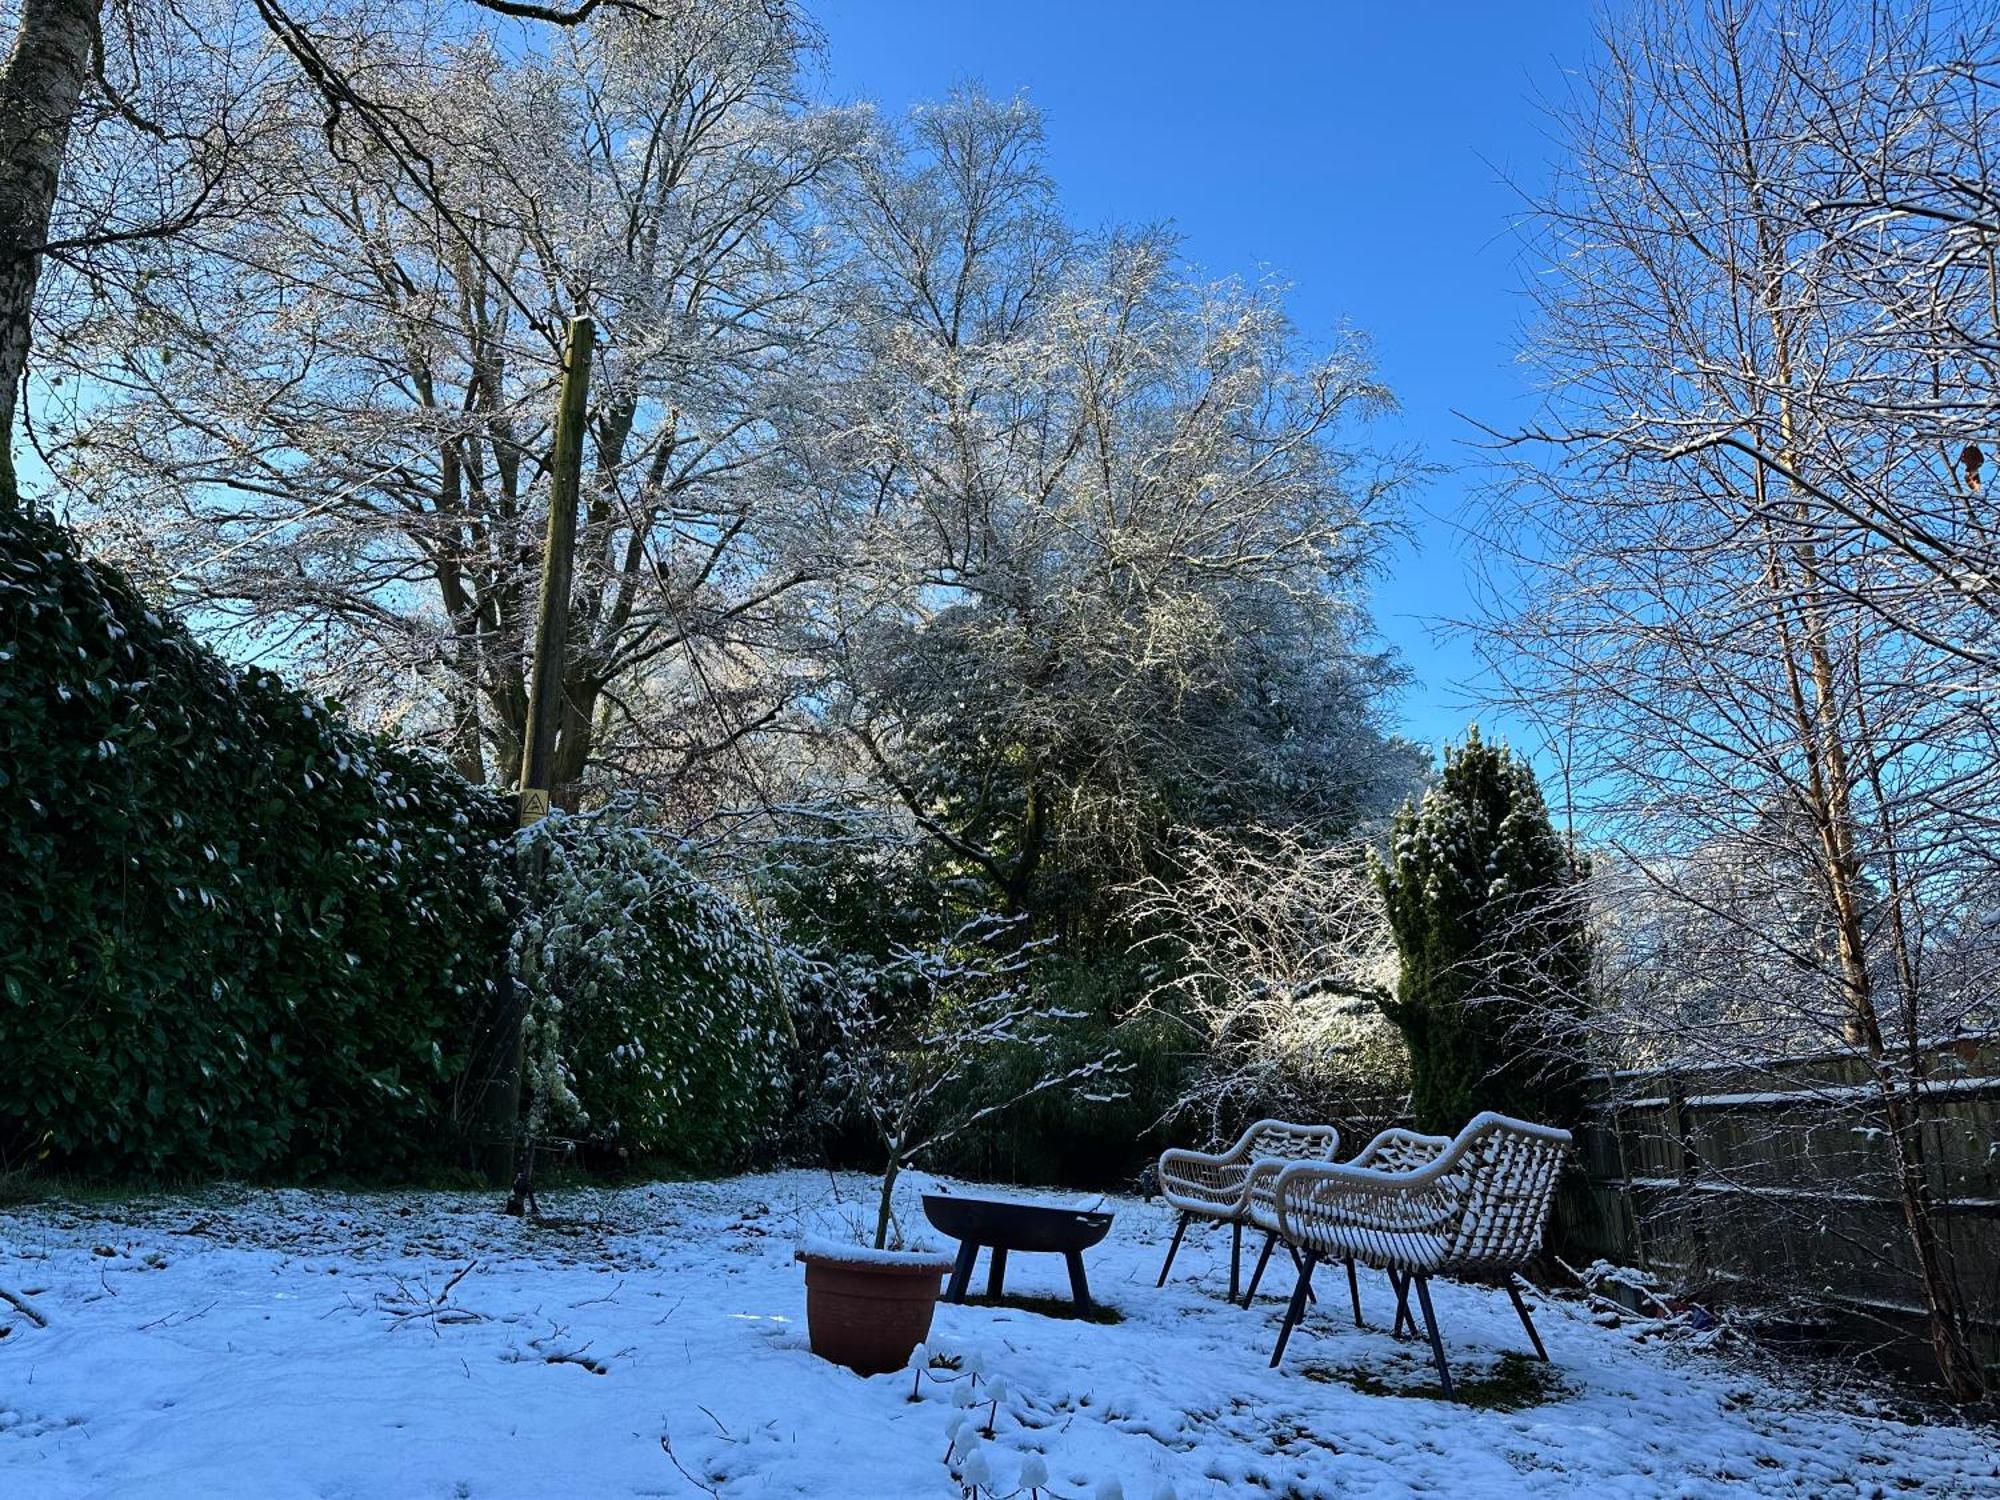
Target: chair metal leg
1400, 1280
1299, 1265
1437, 1344
996, 1274
1263, 1260
1526, 1321
1235, 1256
1173, 1249
1354, 1291
1297, 1310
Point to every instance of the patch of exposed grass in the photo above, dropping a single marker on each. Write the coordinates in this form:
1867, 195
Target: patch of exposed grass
1514, 1384
1050, 1307
24, 1188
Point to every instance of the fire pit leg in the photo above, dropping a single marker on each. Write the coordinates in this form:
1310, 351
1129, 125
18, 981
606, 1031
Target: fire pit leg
1078, 1287
961, 1271
996, 1274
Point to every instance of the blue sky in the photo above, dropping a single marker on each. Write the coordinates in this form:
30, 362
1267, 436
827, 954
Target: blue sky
1362, 152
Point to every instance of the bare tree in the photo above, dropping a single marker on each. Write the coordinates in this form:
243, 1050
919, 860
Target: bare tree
909, 1067
328, 428
40, 88
1706, 579
1274, 950
137, 78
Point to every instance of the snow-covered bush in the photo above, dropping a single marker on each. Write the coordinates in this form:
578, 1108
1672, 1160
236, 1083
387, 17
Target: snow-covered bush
844, 897
655, 1008
854, 902
1063, 1136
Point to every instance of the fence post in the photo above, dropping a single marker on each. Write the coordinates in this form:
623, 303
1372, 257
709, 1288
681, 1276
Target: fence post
1628, 1195
1690, 1173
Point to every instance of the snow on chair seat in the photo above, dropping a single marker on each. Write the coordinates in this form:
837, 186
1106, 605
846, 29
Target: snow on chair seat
1476, 1213
1393, 1150
1217, 1186
1411, 1248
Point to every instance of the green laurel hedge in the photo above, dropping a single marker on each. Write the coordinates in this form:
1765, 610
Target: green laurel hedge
236, 936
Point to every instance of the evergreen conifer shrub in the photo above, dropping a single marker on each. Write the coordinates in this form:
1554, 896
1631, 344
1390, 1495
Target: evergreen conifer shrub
1485, 904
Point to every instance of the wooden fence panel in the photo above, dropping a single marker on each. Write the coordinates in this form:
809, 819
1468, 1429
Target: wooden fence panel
1777, 1177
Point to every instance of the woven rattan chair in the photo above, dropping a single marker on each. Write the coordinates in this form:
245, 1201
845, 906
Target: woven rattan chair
1475, 1213
1394, 1150
1217, 1187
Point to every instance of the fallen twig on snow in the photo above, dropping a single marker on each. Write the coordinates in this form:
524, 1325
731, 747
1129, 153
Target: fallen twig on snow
24, 1307
424, 1306
182, 1315
667, 1447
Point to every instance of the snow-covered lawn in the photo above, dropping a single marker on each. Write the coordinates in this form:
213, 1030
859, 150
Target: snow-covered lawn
278, 1344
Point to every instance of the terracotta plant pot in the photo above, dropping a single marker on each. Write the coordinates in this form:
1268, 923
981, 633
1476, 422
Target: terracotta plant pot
868, 1310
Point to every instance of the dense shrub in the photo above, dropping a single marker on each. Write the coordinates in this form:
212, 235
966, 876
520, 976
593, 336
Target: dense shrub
852, 908
1088, 1140
845, 903
235, 935
656, 1010
1099, 1138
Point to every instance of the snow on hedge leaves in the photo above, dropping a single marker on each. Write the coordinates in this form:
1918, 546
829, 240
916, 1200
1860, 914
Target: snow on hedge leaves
655, 1007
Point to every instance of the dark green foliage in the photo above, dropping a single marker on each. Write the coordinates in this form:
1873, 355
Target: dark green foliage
235, 935
656, 1017
1059, 764
1485, 904
844, 903
1081, 1139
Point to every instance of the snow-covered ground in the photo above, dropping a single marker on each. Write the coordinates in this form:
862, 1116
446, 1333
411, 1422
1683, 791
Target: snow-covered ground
279, 1344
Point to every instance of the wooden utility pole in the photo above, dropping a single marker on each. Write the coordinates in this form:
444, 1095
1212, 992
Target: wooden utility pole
545, 705
545, 684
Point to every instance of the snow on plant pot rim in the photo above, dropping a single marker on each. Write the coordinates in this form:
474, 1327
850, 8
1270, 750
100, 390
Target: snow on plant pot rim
867, 1258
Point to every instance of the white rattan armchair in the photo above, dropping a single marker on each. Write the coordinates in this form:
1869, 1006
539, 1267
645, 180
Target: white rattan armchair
1475, 1213
1204, 1185
1394, 1150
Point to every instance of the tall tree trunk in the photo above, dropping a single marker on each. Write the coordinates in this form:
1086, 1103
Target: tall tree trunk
39, 92
467, 755
576, 738
1823, 737
1958, 1367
